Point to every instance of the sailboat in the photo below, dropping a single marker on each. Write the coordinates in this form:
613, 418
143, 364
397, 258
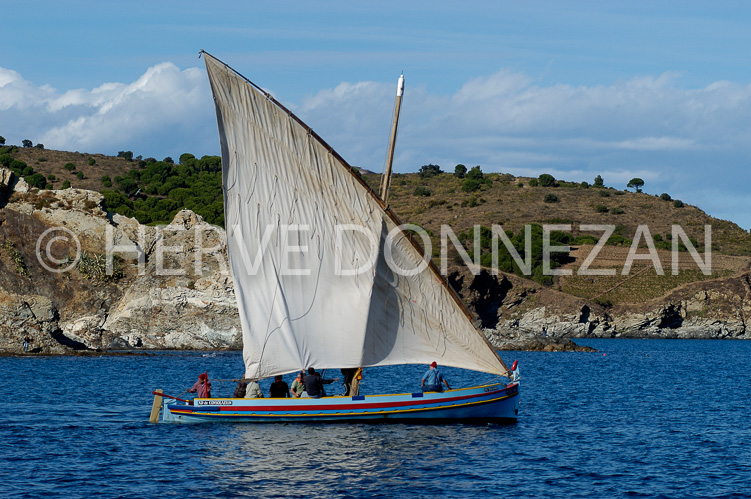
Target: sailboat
326, 275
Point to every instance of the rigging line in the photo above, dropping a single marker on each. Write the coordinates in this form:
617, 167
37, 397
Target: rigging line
271, 332
271, 313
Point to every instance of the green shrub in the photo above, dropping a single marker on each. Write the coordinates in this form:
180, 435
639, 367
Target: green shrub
678, 203
37, 180
92, 161
471, 184
427, 171
550, 198
618, 240
665, 196
584, 239
599, 182
603, 302
94, 267
584, 185
460, 171
617, 211
601, 208
533, 182
604, 194
79, 175
476, 173
69, 166
66, 184
421, 191
546, 180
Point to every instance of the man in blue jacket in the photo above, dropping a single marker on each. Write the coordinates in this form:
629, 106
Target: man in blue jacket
431, 381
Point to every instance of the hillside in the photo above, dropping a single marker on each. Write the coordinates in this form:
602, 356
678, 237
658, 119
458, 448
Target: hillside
77, 304
154, 191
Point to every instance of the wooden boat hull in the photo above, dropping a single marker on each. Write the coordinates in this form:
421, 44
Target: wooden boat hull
488, 403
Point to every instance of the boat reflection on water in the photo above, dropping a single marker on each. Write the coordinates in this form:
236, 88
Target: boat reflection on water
289, 460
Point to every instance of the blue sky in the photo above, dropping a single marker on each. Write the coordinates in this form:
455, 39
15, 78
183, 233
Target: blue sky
657, 90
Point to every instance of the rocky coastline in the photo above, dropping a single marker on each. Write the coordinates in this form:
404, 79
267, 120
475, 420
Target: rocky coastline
170, 289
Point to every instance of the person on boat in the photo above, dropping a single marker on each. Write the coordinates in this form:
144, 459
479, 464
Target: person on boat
349, 375
253, 391
202, 387
240, 390
314, 383
298, 386
431, 381
279, 389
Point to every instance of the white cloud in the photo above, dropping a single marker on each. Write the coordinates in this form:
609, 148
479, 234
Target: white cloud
683, 141
686, 142
166, 111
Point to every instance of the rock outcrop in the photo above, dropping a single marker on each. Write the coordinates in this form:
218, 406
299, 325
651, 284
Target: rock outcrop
166, 288
716, 309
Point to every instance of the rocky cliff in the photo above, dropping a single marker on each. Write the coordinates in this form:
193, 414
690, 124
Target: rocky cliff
510, 307
166, 288
169, 288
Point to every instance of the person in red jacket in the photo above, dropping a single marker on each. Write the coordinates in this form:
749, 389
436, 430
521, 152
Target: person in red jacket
202, 387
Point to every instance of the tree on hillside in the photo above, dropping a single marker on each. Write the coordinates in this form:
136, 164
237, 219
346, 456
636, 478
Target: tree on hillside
599, 182
2, 140
475, 173
460, 171
185, 157
429, 171
128, 155
27, 143
546, 180
636, 183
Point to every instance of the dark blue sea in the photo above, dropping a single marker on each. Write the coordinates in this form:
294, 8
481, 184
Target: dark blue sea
640, 418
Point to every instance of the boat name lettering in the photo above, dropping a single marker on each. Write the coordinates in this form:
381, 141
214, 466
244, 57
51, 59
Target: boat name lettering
213, 402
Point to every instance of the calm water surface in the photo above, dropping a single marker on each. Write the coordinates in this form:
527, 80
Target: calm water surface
643, 418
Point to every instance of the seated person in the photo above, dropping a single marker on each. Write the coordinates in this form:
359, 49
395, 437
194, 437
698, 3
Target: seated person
431, 381
279, 389
253, 391
240, 390
298, 386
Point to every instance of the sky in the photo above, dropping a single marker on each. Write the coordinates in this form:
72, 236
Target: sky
655, 90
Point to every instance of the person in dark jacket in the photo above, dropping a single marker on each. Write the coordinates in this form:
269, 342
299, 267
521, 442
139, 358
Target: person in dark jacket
279, 389
314, 384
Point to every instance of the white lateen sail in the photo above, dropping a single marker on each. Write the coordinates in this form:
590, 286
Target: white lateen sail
318, 281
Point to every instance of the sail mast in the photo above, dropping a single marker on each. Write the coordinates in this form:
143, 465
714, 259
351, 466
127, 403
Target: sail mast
392, 142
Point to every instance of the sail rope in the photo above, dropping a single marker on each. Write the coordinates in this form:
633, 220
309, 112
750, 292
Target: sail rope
269, 332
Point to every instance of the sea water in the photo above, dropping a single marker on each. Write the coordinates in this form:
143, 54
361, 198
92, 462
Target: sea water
643, 418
